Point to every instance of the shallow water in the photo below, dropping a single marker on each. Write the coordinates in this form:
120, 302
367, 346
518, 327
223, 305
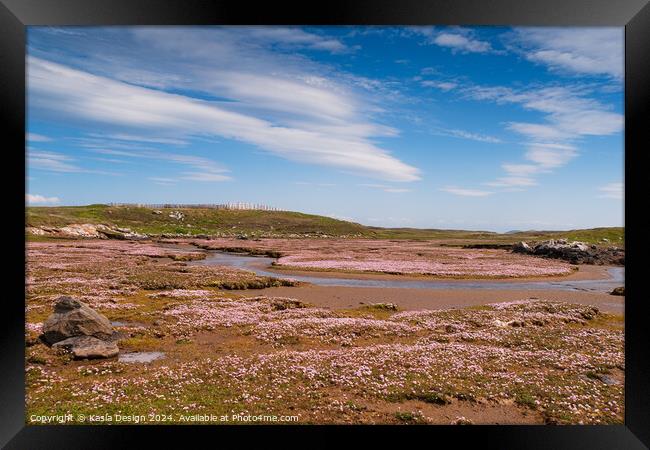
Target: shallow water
258, 265
139, 357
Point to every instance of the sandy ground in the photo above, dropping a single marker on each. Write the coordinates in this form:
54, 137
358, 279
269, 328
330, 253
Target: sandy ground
338, 297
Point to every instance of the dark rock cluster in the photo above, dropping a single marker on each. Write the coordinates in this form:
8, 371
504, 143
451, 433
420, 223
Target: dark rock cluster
573, 252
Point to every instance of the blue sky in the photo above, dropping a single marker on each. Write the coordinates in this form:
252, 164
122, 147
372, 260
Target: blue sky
488, 128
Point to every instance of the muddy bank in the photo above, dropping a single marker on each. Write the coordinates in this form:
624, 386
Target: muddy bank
433, 299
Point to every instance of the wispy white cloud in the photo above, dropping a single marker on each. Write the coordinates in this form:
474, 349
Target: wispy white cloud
58, 162
462, 43
549, 156
51, 161
205, 176
591, 51
386, 188
41, 199
568, 113
568, 116
308, 183
466, 192
463, 134
518, 176
201, 169
163, 181
458, 39
86, 96
442, 85
291, 37
135, 138
612, 190
33, 137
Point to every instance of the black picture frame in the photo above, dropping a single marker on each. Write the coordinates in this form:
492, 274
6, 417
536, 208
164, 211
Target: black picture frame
634, 15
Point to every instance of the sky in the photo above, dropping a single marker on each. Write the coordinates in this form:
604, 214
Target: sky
482, 128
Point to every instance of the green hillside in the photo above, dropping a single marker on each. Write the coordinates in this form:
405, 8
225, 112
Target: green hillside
284, 223
196, 221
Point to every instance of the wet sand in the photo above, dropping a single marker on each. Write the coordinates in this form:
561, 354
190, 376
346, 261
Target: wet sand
341, 297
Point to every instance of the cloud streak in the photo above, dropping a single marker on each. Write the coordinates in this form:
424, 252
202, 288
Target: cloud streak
588, 51
85, 96
386, 188
33, 137
612, 190
41, 199
462, 192
567, 115
462, 43
51, 161
458, 39
200, 169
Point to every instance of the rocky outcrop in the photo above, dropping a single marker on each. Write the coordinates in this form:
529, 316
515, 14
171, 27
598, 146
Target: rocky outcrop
618, 291
72, 318
573, 252
80, 230
521, 247
87, 230
88, 347
119, 233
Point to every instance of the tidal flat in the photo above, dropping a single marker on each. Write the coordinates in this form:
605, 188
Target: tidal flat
228, 344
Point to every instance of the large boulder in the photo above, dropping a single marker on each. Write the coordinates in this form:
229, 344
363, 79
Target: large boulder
88, 347
73, 318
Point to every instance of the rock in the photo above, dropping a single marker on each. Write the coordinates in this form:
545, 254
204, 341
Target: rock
582, 246
88, 347
73, 318
87, 230
119, 233
521, 247
157, 212
574, 252
36, 231
177, 215
618, 291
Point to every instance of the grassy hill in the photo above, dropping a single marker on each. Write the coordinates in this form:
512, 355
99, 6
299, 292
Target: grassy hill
285, 223
196, 220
